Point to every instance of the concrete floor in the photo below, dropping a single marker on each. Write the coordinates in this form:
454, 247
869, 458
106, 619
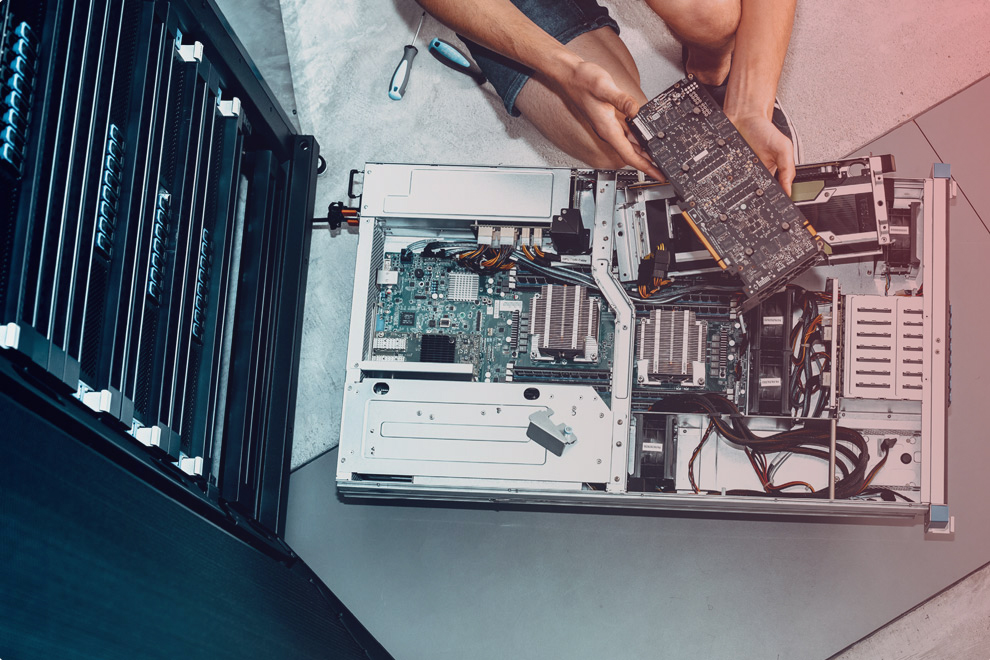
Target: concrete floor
952, 624
258, 24
454, 582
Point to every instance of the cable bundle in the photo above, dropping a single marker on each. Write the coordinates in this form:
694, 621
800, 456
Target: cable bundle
851, 452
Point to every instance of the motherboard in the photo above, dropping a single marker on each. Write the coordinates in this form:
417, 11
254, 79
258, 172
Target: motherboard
507, 327
511, 326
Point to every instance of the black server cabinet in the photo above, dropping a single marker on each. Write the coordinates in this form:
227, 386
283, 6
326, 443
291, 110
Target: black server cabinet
155, 218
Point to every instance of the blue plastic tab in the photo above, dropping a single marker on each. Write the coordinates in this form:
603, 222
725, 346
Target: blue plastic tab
938, 515
941, 171
380, 325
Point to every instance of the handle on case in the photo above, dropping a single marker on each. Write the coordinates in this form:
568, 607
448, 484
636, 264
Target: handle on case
350, 184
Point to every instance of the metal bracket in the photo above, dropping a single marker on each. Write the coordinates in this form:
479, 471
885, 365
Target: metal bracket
625, 321
552, 437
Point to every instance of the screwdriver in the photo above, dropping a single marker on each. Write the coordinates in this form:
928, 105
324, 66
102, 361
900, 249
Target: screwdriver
401, 76
449, 55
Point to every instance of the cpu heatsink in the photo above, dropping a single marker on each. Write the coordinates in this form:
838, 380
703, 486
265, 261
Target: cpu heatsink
564, 324
672, 344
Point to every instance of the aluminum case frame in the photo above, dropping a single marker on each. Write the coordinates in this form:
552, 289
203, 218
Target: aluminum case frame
361, 473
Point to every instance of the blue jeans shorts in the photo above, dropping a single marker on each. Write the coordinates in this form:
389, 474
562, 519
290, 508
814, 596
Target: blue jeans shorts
561, 19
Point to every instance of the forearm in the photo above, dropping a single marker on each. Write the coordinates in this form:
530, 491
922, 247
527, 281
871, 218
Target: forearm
499, 26
761, 45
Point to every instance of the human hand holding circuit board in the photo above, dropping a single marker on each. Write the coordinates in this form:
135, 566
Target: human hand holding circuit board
730, 199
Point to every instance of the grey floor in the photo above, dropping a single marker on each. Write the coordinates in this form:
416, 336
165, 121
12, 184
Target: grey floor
258, 25
451, 582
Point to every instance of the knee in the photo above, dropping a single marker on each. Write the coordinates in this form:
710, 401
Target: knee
710, 23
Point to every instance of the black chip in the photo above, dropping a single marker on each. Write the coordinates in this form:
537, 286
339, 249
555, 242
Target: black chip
437, 348
432, 323
407, 318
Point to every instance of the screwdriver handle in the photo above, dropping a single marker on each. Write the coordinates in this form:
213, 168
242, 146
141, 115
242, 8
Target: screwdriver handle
452, 57
401, 76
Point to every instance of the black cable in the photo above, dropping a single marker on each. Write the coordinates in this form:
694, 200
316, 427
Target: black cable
852, 452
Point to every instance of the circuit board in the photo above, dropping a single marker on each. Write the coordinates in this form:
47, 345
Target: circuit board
434, 310
728, 197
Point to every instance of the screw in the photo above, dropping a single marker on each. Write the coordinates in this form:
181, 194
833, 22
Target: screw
618, 443
599, 461
419, 413
431, 417
620, 422
343, 460
601, 415
616, 478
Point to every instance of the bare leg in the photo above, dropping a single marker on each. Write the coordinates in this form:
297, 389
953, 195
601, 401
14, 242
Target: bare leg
708, 29
562, 124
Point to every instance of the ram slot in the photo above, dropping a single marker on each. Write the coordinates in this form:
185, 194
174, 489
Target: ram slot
202, 386
195, 255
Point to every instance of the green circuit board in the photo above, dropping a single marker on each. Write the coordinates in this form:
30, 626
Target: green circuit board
434, 310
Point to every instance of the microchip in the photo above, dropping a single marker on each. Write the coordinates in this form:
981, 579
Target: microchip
432, 323
437, 348
407, 318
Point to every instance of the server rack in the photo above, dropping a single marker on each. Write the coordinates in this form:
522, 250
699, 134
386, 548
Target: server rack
155, 205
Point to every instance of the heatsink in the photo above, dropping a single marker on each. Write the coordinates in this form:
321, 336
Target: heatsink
672, 343
463, 287
564, 324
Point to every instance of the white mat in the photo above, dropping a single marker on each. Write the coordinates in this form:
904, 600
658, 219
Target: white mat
854, 71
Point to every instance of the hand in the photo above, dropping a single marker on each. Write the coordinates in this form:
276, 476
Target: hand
772, 146
592, 92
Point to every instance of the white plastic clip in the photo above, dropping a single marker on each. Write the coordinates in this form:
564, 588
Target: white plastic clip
191, 466
149, 436
98, 401
191, 52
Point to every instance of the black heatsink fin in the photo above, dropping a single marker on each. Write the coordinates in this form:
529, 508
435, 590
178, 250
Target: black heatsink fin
437, 348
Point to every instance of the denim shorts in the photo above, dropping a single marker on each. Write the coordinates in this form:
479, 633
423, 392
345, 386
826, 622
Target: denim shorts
561, 19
